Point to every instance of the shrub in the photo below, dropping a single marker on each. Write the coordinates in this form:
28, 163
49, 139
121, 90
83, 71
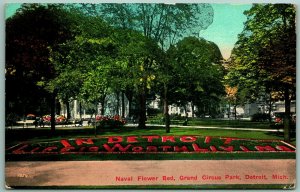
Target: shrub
159, 118
153, 112
177, 117
105, 122
260, 117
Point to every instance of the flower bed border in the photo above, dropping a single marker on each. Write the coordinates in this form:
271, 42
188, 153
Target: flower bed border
67, 150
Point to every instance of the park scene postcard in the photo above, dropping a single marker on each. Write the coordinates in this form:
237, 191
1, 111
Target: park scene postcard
150, 96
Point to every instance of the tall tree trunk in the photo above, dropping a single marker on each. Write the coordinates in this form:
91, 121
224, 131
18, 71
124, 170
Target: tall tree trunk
235, 111
142, 104
287, 115
142, 113
193, 110
57, 107
68, 109
96, 109
102, 101
185, 110
229, 111
130, 107
118, 104
95, 122
123, 105
166, 110
80, 110
287, 101
270, 107
129, 96
53, 105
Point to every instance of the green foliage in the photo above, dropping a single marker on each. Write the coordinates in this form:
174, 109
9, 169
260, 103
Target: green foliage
197, 73
81, 63
264, 55
104, 123
260, 117
29, 34
108, 124
164, 23
153, 111
137, 60
91, 51
264, 58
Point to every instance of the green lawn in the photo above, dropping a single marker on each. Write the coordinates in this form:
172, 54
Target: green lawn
17, 135
216, 123
41, 135
230, 123
14, 137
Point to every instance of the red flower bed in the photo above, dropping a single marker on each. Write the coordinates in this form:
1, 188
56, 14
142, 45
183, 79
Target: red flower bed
109, 122
58, 119
153, 144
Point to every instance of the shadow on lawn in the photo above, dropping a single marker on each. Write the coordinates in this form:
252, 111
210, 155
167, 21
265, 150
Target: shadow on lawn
14, 136
281, 134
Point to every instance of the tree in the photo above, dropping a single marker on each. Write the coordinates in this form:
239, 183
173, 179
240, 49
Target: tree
265, 54
87, 63
106, 60
129, 66
138, 58
29, 33
198, 73
79, 62
163, 23
231, 95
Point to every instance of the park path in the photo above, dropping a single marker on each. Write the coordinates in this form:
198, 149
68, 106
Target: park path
215, 127
159, 125
154, 172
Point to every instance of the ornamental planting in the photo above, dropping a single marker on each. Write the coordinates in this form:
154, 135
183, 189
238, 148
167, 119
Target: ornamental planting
152, 144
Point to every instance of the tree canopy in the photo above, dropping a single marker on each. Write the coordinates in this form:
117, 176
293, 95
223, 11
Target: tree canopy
29, 34
89, 52
264, 57
198, 72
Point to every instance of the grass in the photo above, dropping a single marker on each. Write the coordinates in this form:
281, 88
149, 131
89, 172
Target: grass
37, 135
217, 123
161, 156
230, 123
14, 137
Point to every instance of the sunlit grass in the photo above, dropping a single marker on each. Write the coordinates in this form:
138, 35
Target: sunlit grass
15, 136
216, 123
43, 135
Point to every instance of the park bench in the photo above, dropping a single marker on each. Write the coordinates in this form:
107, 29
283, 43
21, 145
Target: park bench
26, 123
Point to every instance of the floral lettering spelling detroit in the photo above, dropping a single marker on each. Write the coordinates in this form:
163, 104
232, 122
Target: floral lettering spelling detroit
151, 144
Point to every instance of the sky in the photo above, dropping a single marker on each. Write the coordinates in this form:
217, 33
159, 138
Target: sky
227, 24
11, 8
